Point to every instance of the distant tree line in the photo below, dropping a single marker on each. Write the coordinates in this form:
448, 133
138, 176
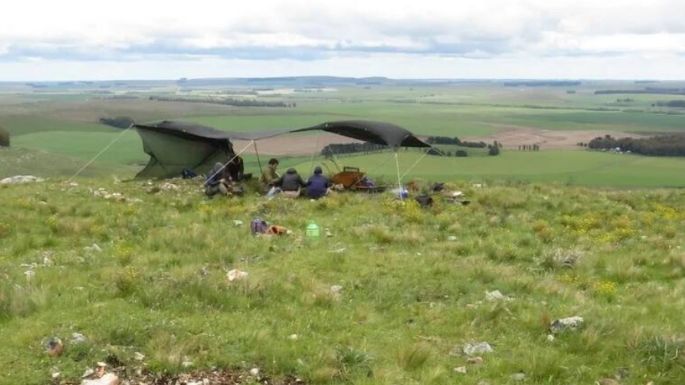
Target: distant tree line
350, 148
4, 137
647, 90
226, 102
454, 141
118, 122
542, 83
661, 145
672, 103
436, 152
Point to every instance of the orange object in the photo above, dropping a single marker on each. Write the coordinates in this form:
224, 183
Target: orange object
348, 178
276, 230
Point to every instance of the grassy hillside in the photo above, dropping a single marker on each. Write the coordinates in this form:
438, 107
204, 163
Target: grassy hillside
391, 296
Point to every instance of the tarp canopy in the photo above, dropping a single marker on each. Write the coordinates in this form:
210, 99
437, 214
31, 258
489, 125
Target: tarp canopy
374, 132
174, 146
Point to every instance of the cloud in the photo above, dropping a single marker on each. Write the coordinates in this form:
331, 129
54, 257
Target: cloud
307, 31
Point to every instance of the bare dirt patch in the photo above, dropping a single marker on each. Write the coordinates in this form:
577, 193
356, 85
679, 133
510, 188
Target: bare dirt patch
512, 137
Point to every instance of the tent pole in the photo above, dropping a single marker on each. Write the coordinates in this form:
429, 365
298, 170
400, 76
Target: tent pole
259, 162
311, 161
399, 178
414, 165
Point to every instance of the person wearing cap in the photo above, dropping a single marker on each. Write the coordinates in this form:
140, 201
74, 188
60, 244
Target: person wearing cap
318, 185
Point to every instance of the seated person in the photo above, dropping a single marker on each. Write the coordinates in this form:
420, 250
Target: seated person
290, 183
269, 175
235, 169
216, 182
317, 185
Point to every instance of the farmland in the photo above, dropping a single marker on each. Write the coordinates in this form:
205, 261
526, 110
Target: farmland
64, 120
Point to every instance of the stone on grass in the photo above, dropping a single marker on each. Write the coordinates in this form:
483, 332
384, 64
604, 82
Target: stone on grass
460, 370
107, 379
566, 324
476, 348
19, 179
236, 275
477, 360
496, 295
78, 338
518, 376
254, 372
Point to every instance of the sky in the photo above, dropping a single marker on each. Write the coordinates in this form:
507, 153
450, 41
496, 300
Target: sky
420, 39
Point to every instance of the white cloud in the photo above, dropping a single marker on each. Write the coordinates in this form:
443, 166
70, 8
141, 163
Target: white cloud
311, 35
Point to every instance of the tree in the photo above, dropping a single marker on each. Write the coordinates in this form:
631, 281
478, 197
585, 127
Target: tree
494, 150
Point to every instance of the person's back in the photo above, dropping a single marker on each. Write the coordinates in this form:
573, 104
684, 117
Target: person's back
317, 185
291, 181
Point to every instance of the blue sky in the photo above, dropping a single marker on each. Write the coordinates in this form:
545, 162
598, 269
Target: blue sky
87, 40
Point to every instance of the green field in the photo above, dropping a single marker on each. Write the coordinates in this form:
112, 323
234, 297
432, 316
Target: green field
570, 167
64, 122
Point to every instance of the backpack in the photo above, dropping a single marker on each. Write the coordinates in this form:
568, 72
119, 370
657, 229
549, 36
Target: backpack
258, 226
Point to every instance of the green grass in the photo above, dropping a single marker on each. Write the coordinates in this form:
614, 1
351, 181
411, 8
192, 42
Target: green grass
411, 297
18, 161
574, 167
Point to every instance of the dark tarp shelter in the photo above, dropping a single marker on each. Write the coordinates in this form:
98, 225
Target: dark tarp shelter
375, 132
174, 146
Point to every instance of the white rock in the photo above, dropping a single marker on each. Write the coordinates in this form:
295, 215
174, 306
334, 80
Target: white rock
336, 289
550, 338
18, 179
452, 238
518, 376
293, 337
29, 274
107, 379
476, 348
254, 372
237, 222
461, 370
496, 295
78, 338
564, 324
236, 275
138, 356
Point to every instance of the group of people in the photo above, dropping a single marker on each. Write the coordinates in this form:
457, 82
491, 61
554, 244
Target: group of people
223, 179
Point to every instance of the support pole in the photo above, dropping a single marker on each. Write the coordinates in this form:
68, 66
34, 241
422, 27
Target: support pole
399, 178
259, 162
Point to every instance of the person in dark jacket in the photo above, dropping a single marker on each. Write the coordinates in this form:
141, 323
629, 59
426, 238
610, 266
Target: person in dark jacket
318, 184
215, 182
290, 183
